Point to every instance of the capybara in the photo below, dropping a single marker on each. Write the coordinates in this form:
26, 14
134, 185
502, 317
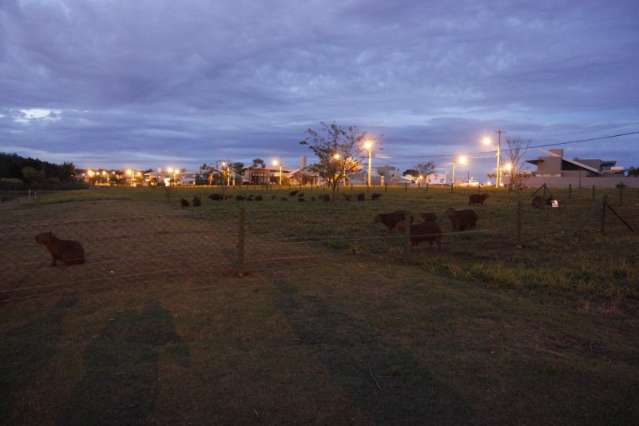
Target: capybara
240, 197
429, 217
361, 197
292, 194
325, 197
300, 194
216, 197
273, 197
462, 219
284, 199
477, 199
312, 198
301, 199
346, 197
249, 198
184, 203
197, 202
391, 220
376, 196
258, 198
67, 251
426, 231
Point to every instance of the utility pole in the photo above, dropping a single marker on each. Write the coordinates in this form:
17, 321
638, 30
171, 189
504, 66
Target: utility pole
498, 178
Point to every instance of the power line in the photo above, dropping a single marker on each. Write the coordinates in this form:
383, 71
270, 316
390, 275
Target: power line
483, 154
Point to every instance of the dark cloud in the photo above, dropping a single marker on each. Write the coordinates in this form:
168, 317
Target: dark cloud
149, 82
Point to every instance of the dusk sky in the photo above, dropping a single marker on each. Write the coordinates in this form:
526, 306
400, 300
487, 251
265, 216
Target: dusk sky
157, 83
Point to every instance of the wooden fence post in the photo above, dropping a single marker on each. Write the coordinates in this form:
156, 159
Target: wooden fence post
593, 192
519, 222
385, 187
408, 246
241, 237
621, 187
405, 187
452, 185
427, 185
604, 205
569, 190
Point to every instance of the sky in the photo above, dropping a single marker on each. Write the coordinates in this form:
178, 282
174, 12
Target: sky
156, 83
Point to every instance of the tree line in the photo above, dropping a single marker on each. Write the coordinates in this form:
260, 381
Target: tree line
18, 171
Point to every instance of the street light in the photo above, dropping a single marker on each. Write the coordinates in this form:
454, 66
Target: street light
368, 145
463, 160
276, 163
488, 142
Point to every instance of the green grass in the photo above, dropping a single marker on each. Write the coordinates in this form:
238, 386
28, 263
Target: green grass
483, 332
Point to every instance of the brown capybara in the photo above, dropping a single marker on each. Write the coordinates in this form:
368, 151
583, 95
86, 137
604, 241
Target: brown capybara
184, 203
426, 231
361, 196
197, 201
477, 199
462, 219
216, 197
258, 198
346, 197
376, 196
429, 217
240, 198
293, 193
67, 251
393, 219
325, 197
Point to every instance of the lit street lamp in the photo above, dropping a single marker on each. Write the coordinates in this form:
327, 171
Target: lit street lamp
276, 163
463, 160
368, 145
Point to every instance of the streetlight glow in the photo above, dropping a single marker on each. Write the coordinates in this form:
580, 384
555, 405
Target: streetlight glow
462, 159
276, 163
336, 156
368, 144
508, 167
487, 141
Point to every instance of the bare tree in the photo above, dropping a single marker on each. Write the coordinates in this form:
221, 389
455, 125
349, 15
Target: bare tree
517, 148
425, 169
334, 147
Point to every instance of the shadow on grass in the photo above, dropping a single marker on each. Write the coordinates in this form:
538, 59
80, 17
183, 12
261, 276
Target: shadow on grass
120, 381
27, 350
385, 381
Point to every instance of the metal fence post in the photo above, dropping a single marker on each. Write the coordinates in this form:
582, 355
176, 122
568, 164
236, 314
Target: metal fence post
405, 187
519, 222
569, 190
604, 205
241, 241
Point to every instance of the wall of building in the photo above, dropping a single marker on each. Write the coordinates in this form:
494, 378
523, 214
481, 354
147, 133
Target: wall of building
586, 181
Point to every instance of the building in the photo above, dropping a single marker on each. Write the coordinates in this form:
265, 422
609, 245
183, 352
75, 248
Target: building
555, 164
555, 170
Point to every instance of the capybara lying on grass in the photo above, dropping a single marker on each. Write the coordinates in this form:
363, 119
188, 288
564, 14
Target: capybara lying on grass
376, 196
184, 203
197, 202
67, 251
477, 199
325, 197
258, 198
240, 197
429, 217
284, 199
216, 197
301, 199
538, 202
426, 231
462, 219
391, 220
292, 194
346, 197
361, 196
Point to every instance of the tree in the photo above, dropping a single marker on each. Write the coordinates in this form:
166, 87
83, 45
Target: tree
426, 169
517, 148
413, 173
258, 162
633, 171
31, 175
334, 147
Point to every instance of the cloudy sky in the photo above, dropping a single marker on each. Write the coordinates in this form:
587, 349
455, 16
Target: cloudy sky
156, 83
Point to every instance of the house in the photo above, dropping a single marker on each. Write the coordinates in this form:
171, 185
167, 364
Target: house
555, 164
263, 175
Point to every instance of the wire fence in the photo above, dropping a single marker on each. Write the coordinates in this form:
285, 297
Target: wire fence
244, 239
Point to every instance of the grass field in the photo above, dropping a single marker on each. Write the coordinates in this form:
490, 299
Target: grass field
333, 323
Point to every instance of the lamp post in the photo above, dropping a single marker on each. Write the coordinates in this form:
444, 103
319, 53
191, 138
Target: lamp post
463, 160
276, 163
368, 145
488, 142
